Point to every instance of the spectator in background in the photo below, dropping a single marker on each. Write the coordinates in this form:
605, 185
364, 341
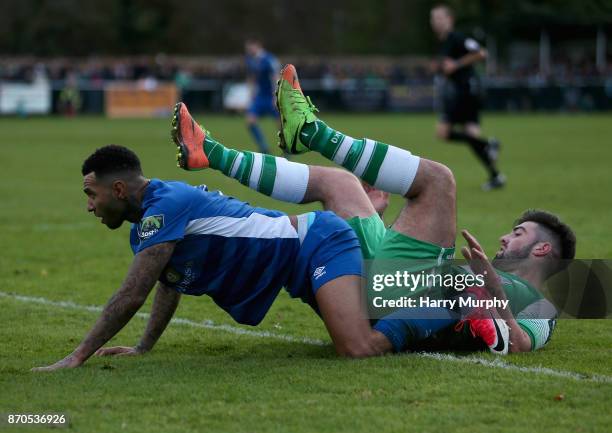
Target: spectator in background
182, 78
69, 103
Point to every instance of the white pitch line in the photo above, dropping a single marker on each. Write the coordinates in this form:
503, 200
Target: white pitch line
499, 363
209, 324
206, 324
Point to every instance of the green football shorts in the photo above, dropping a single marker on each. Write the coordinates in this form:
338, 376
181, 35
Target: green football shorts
398, 246
370, 231
399, 254
386, 244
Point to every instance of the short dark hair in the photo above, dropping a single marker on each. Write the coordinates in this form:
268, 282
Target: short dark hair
111, 159
446, 8
555, 227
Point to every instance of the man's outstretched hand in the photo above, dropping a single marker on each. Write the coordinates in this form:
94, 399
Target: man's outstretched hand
119, 351
125, 302
479, 262
71, 361
520, 341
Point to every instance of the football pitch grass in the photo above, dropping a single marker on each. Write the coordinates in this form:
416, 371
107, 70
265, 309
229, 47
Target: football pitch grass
59, 265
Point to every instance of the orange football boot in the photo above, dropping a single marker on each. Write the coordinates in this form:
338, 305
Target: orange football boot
189, 139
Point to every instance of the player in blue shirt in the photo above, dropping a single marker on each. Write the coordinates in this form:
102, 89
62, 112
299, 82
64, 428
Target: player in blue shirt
262, 73
196, 242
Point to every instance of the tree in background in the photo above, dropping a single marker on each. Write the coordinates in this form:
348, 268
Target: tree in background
387, 27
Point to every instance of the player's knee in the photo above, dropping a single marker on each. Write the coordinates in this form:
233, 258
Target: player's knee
438, 178
438, 182
445, 177
338, 190
335, 181
342, 175
447, 186
348, 180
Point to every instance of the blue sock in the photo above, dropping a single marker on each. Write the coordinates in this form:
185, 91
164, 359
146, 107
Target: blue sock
259, 137
414, 324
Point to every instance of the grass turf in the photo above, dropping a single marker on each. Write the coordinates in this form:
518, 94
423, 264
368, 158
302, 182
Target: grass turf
200, 379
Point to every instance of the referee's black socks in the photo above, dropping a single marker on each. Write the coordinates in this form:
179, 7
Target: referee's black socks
479, 146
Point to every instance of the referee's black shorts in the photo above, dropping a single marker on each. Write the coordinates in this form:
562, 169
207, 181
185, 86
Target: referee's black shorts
460, 104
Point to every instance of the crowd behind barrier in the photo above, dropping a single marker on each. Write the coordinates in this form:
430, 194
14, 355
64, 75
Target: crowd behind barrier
340, 83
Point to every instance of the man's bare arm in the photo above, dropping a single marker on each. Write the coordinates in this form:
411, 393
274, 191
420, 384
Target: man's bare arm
141, 277
164, 305
520, 341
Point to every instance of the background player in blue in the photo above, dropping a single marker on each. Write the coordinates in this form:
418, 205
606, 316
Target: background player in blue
262, 73
460, 93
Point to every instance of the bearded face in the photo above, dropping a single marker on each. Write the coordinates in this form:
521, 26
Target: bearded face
508, 260
516, 246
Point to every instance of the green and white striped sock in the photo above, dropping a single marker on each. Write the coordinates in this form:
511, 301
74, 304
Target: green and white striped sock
383, 166
273, 176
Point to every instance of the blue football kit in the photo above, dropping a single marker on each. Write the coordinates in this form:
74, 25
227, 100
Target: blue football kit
263, 70
239, 255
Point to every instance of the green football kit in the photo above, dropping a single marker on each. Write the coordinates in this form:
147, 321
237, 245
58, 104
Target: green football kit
534, 313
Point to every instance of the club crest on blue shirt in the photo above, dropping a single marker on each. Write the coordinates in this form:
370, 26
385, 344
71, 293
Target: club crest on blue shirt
149, 226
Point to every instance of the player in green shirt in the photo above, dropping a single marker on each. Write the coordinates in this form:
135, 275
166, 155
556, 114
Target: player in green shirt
425, 229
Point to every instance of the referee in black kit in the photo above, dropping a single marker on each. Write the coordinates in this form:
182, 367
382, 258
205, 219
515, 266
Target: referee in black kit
460, 95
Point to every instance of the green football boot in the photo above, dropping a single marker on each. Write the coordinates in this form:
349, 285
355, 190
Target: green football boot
295, 110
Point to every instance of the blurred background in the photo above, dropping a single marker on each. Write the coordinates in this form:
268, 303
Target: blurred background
130, 57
